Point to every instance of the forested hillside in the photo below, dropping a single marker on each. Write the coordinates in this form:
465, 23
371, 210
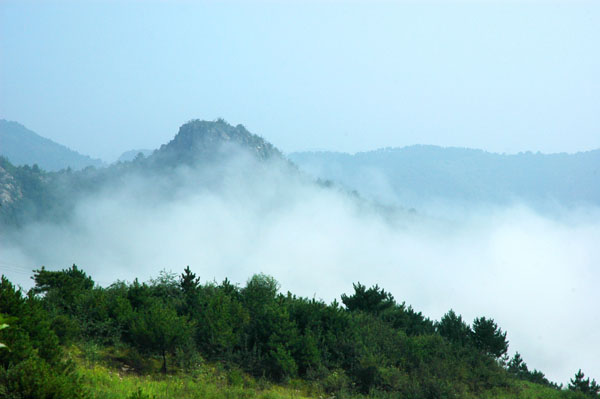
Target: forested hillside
422, 174
367, 345
30, 193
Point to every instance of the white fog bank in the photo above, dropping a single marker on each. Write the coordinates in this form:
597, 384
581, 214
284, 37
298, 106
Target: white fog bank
536, 275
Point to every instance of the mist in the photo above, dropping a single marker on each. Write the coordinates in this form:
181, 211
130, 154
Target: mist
535, 274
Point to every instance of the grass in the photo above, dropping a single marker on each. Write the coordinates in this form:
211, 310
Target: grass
107, 384
105, 376
105, 381
528, 390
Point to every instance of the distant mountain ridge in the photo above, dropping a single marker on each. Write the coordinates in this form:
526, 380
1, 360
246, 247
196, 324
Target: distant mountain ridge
130, 155
30, 192
416, 174
24, 147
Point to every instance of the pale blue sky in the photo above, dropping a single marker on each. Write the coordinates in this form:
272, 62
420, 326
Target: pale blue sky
105, 77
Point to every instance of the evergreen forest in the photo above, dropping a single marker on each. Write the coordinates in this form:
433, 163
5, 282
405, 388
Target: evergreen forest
178, 336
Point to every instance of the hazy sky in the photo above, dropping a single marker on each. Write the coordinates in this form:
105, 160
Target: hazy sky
105, 77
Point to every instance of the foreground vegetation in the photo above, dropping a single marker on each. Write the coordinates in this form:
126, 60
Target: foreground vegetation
176, 337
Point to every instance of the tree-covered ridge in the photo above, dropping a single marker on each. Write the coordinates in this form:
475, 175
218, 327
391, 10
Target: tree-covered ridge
28, 193
24, 190
369, 345
420, 173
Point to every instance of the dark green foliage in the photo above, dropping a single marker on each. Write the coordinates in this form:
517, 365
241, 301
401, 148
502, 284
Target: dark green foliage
190, 286
488, 337
517, 366
377, 301
519, 369
221, 319
159, 330
373, 346
585, 386
33, 367
62, 287
454, 329
373, 300
408, 320
269, 332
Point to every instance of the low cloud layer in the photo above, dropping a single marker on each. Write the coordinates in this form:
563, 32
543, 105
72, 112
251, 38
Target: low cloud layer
536, 275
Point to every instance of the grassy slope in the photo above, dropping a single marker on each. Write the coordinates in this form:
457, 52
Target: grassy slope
106, 380
102, 376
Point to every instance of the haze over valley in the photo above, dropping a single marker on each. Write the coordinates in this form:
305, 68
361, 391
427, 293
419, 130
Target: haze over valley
229, 204
321, 199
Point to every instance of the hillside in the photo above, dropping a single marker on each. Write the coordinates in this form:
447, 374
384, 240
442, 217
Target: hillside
206, 148
23, 147
242, 341
420, 174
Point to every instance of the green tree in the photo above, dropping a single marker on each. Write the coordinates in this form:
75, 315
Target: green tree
373, 300
454, 329
517, 366
270, 333
489, 338
62, 288
579, 384
158, 329
190, 287
34, 366
221, 321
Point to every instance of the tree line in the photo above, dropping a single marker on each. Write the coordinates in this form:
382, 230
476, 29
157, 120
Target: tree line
369, 344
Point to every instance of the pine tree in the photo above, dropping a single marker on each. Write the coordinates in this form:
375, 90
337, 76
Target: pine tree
517, 366
453, 328
373, 300
489, 338
579, 384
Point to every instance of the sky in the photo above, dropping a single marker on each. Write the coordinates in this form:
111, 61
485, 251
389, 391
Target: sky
104, 77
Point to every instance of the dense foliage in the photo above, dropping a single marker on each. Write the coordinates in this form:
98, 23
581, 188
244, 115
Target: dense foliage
370, 346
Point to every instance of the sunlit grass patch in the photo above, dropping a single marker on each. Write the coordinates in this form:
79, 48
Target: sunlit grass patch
207, 382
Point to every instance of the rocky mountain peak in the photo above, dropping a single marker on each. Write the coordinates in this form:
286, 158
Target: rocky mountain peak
198, 140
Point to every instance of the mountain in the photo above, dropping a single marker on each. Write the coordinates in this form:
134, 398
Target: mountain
23, 147
419, 174
130, 155
31, 193
203, 141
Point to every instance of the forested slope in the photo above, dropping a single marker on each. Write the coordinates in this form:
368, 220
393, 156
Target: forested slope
369, 345
194, 157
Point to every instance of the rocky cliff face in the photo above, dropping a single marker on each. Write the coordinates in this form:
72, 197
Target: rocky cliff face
10, 189
199, 141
